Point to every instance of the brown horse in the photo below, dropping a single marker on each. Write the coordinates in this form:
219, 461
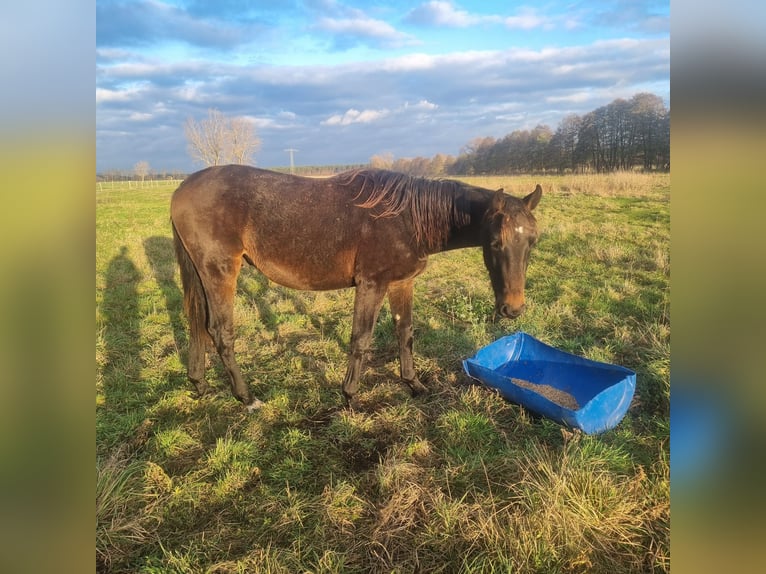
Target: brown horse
368, 229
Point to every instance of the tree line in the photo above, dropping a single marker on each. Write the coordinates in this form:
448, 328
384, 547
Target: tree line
623, 135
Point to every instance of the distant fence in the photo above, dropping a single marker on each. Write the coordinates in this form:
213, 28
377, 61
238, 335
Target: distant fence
136, 184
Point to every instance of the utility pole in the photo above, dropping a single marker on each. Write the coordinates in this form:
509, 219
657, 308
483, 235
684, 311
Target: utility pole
291, 151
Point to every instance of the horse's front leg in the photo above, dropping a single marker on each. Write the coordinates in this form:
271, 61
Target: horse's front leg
367, 301
400, 299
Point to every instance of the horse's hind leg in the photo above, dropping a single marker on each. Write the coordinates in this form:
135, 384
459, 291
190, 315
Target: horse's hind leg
196, 364
220, 292
400, 300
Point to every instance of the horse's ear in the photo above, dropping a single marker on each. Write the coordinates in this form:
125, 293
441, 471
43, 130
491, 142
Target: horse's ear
497, 199
533, 198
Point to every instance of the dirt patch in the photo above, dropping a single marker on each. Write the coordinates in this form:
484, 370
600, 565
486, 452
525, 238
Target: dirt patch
561, 398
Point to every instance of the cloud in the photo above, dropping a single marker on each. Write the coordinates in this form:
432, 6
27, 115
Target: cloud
104, 95
525, 19
353, 116
348, 27
571, 98
140, 116
633, 16
439, 13
423, 105
361, 29
150, 22
408, 63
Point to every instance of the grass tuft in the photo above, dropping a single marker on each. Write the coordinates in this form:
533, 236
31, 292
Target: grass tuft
125, 508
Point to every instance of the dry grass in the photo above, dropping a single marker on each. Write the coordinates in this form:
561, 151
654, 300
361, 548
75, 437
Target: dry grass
617, 184
126, 507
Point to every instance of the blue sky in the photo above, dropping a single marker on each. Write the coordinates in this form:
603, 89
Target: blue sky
342, 80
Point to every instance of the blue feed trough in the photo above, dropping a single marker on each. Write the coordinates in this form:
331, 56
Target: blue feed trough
568, 389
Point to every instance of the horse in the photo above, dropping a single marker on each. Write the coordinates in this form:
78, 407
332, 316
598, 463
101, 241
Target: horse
368, 229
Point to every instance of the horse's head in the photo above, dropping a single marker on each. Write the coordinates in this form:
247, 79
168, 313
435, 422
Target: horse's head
509, 233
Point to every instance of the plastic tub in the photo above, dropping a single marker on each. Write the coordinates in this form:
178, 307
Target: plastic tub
602, 391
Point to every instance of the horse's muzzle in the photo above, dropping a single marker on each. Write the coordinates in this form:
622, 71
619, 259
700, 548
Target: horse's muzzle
509, 312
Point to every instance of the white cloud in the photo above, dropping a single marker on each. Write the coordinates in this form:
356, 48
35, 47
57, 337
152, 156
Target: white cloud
525, 19
134, 69
358, 26
573, 98
191, 92
106, 95
423, 105
467, 60
564, 69
409, 63
439, 13
363, 27
264, 123
353, 116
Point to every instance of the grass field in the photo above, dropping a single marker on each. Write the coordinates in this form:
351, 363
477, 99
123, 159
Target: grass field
456, 481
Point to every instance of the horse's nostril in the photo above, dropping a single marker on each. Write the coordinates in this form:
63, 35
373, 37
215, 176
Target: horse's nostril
509, 312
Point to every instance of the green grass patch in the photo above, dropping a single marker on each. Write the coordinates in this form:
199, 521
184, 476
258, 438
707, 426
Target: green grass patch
458, 480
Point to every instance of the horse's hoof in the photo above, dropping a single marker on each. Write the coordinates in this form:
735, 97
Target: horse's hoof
416, 387
203, 391
254, 406
353, 404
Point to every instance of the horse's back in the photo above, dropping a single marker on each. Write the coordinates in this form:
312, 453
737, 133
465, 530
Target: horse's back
300, 232
209, 186
236, 197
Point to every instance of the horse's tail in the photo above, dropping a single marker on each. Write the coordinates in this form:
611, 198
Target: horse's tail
195, 299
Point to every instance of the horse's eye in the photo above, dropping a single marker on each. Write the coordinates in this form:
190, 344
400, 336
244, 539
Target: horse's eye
496, 244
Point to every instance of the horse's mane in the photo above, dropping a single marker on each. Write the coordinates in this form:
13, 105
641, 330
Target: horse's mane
434, 205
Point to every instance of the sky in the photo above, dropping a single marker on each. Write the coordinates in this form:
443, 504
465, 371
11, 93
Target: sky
342, 80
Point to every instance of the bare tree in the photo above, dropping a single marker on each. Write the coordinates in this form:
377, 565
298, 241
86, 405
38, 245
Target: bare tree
207, 138
382, 161
565, 143
141, 169
217, 139
243, 141
650, 121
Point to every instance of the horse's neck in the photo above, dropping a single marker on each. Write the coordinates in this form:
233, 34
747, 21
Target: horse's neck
470, 235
